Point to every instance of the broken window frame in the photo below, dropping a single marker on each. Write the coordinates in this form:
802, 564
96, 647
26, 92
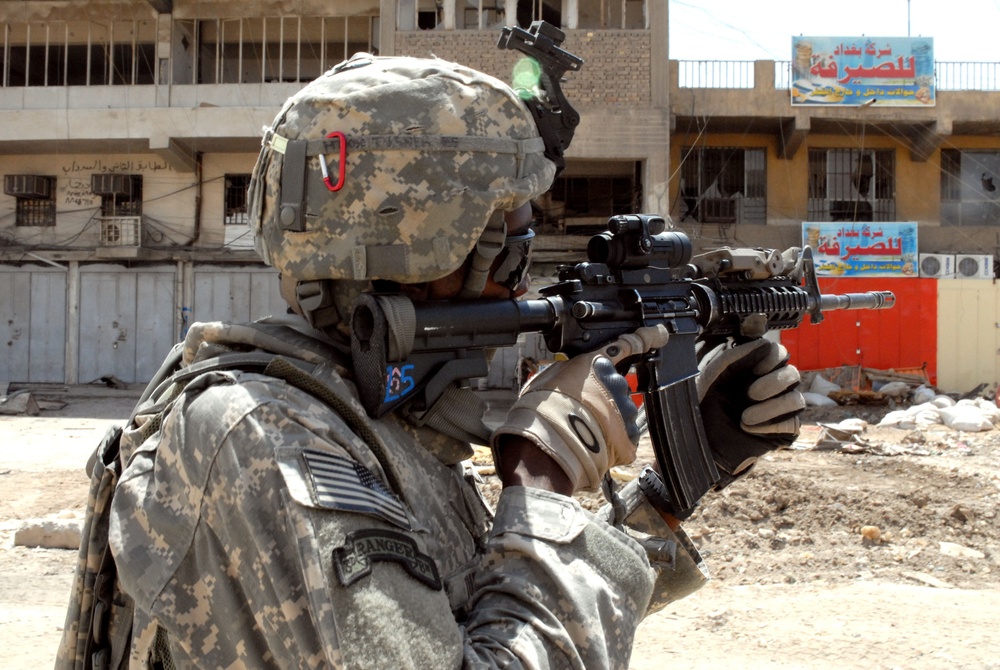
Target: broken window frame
723, 185
852, 185
970, 187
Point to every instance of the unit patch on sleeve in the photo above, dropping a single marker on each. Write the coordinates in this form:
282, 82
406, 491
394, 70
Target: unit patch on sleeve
364, 547
342, 484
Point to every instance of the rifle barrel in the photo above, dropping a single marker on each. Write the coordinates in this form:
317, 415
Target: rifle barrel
866, 300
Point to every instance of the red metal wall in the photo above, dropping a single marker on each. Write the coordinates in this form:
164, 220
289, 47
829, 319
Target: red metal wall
904, 337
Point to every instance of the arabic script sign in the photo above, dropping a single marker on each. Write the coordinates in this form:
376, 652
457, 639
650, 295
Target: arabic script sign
852, 71
868, 249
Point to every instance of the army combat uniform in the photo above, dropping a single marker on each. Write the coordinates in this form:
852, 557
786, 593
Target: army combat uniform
263, 520
259, 527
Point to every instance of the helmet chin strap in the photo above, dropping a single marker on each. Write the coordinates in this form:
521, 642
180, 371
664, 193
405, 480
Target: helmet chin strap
489, 245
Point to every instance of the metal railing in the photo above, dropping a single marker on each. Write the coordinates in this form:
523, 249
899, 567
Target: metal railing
967, 76
715, 73
950, 75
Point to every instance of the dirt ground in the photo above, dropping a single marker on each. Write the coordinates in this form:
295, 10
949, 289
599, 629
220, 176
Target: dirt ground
881, 553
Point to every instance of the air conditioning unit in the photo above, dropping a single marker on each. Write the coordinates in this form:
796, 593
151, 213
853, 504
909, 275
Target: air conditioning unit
28, 186
974, 266
937, 266
120, 231
111, 184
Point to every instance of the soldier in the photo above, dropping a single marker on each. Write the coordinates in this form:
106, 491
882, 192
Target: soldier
264, 520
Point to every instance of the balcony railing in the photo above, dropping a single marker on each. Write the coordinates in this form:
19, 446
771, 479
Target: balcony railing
967, 76
715, 73
951, 75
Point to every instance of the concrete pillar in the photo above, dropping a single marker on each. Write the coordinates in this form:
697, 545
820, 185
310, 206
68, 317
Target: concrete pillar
656, 177
187, 305
763, 76
164, 25
510, 12
659, 54
179, 303
570, 14
656, 171
449, 14
72, 358
395, 15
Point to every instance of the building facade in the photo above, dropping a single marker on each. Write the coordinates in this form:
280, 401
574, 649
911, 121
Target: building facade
129, 128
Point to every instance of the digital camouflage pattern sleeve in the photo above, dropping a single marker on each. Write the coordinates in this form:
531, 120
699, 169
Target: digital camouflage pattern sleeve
255, 529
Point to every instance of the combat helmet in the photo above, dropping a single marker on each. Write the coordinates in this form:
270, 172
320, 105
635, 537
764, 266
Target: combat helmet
392, 168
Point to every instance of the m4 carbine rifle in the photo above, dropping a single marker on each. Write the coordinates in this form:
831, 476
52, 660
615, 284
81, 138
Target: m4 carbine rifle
638, 274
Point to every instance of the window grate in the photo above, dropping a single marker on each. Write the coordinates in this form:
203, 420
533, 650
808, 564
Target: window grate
123, 197
35, 212
852, 185
236, 199
724, 185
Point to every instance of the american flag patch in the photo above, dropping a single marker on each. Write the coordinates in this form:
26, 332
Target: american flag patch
342, 484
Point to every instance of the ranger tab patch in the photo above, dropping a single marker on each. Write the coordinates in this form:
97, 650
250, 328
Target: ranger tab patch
342, 484
364, 547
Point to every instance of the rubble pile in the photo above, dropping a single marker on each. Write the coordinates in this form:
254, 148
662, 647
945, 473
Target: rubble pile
914, 404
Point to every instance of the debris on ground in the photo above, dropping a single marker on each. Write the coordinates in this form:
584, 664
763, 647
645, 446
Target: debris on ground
855, 385
62, 531
113, 382
19, 402
974, 415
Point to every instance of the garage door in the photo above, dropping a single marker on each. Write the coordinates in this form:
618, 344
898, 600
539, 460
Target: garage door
126, 321
33, 315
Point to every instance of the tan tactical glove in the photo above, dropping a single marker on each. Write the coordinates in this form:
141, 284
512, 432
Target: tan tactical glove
750, 403
580, 412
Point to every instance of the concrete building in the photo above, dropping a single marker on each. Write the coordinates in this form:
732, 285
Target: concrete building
128, 129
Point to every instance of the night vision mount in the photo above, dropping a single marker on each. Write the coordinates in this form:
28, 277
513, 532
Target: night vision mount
555, 117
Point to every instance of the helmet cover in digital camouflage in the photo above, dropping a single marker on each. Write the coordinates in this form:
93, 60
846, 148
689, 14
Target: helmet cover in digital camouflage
432, 149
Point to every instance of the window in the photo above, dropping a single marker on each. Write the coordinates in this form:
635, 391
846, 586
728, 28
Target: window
589, 192
92, 53
723, 185
121, 194
969, 187
549, 11
36, 212
428, 19
490, 14
611, 14
36, 203
236, 199
852, 185
483, 14
272, 49
121, 208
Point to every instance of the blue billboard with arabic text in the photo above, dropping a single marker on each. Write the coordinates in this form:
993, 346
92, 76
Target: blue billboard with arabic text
868, 249
854, 71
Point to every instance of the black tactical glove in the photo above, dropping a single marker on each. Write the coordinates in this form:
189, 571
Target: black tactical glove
750, 403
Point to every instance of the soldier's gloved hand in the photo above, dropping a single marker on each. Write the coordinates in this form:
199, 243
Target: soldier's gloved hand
750, 403
580, 412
